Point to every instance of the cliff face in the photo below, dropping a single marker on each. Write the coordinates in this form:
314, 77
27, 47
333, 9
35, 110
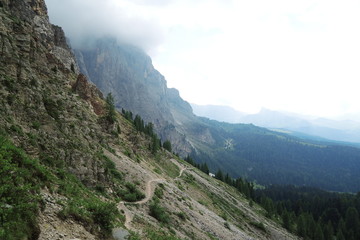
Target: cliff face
37, 72
127, 72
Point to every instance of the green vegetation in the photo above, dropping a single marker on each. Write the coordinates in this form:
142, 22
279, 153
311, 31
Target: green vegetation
130, 193
276, 158
202, 166
312, 213
152, 234
159, 192
167, 145
110, 109
240, 184
52, 107
181, 215
158, 211
36, 125
89, 210
110, 167
148, 129
259, 225
21, 179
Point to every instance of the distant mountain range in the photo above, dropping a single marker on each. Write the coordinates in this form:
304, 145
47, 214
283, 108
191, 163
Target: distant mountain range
295, 124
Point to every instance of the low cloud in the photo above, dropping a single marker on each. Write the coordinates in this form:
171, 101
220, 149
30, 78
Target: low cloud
88, 19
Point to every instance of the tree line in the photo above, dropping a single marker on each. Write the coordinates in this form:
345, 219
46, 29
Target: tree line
147, 129
313, 213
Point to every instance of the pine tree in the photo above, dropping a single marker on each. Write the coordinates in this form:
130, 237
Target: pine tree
328, 231
318, 235
167, 145
286, 220
139, 123
340, 235
352, 219
110, 108
219, 175
301, 226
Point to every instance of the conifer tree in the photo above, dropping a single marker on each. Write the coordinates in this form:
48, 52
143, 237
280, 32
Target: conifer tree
167, 145
318, 235
110, 108
219, 175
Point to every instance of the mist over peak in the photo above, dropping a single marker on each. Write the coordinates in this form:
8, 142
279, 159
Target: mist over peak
84, 20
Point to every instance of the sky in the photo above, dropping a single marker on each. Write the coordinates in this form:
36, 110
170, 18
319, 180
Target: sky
286, 55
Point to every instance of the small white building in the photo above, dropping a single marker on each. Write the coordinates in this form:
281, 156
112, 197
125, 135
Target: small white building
211, 175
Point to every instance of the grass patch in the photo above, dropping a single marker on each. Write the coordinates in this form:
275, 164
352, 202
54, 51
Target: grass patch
170, 168
259, 225
20, 181
153, 234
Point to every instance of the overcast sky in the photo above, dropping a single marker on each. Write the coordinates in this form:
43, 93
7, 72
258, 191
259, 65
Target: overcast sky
299, 56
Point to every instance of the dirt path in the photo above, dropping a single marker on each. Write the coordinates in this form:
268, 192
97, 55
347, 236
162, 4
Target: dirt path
149, 193
182, 168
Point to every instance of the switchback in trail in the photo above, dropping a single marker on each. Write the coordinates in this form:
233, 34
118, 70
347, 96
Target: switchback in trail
149, 193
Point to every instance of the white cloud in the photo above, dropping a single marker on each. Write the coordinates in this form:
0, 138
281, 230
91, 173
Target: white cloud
298, 56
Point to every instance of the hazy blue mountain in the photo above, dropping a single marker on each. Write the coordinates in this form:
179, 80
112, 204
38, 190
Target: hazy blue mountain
219, 113
337, 130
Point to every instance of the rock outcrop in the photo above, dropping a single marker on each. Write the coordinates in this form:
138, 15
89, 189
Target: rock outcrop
38, 69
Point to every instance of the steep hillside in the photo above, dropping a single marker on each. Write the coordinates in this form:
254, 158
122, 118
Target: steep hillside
244, 150
72, 168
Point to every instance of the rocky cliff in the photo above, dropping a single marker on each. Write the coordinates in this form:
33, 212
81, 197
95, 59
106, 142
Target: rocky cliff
127, 72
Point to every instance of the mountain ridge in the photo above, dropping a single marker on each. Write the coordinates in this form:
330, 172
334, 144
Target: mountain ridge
336, 130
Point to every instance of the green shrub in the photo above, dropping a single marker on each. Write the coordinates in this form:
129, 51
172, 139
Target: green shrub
131, 193
181, 215
159, 212
36, 125
259, 225
51, 107
167, 145
110, 167
17, 129
159, 192
227, 225
153, 234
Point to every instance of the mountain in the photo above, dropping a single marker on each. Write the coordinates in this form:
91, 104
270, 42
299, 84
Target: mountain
73, 168
127, 72
299, 125
242, 150
219, 113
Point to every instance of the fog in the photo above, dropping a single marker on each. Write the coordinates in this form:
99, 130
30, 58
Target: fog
89, 19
